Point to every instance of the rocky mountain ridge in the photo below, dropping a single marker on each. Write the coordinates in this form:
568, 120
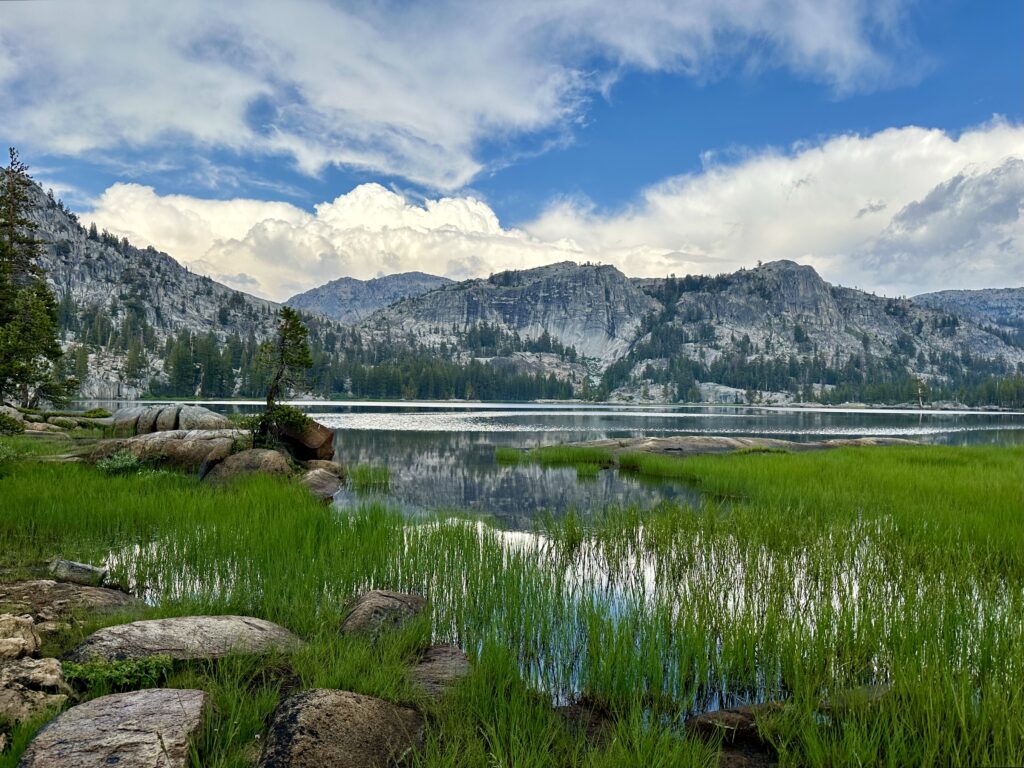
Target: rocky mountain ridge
349, 300
1000, 307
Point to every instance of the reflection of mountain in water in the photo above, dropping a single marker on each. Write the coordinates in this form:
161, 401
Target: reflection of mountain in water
451, 470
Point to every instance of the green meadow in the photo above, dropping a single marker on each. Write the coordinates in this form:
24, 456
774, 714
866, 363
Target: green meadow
878, 593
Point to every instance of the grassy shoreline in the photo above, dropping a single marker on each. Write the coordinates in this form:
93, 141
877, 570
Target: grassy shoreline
824, 573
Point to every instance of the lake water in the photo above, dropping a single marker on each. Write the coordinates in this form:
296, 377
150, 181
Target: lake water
441, 455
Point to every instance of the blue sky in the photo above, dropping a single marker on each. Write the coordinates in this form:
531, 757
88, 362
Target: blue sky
577, 130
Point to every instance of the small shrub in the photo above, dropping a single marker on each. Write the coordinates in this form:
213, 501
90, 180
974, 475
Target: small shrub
123, 675
97, 413
10, 425
7, 454
121, 463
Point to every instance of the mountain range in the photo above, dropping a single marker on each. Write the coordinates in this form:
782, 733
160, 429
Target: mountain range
775, 332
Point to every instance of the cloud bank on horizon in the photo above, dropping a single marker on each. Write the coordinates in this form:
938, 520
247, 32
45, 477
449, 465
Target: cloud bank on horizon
902, 211
444, 94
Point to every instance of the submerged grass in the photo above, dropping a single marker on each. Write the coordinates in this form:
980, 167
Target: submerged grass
826, 572
369, 478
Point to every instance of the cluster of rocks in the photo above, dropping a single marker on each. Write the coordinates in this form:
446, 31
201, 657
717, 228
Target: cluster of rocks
155, 727
194, 439
52, 424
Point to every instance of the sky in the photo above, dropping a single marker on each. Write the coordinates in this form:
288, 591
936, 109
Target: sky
275, 146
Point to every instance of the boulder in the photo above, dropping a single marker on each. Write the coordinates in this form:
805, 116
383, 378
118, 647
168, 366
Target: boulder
178, 449
41, 426
379, 610
262, 460
321, 727
18, 637
167, 419
441, 667
734, 726
185, 637
77, 573
50, 601
333, 467
14, 413
197, 417
314, 441
147, 420
64, 422
29, 687
126, 420
139, 729
321, 483
594, 723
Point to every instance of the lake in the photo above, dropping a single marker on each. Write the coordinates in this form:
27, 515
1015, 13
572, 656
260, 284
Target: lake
441, 454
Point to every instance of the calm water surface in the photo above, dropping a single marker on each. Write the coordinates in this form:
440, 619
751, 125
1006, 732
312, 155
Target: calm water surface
441, 455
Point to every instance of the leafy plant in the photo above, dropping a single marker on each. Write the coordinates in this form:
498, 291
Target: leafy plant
121, 463
10, 425
122, 675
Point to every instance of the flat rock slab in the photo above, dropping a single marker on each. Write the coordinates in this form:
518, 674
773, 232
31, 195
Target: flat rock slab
77, 573
181, 449
185, 637
140, 729
29, 687
691, 445
379, 610
441, 667
46, 601
321, 728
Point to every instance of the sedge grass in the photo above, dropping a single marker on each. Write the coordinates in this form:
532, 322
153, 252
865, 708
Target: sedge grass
824, 573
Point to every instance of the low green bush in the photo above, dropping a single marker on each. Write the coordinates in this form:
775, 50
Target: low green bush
10, 425
121, 463
97, 413
122, 675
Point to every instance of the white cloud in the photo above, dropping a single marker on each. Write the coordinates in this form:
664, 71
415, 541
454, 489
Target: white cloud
901, 211
406, 89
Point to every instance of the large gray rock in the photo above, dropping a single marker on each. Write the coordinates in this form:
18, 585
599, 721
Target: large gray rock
321, 483
77, 573
14, 413
29, 687
379, 609
140, 729
185, 637
320, 728
313, 441
18, 637
47, 601
441, 667
261, 460
147, 420
197, 417
167, 419
178, 449
126, 420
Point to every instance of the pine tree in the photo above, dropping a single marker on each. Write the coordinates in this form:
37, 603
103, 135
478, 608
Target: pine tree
29, 350
286, 358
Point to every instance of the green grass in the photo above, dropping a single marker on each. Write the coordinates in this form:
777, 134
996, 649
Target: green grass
823, 572
369, 478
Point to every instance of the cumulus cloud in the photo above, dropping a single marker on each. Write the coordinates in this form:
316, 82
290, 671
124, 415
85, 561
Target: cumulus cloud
407, 89
901, 211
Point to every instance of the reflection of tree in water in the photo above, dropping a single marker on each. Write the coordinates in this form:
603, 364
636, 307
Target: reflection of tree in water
449, 470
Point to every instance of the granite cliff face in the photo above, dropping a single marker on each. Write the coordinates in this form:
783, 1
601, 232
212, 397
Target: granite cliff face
349, 300
1000, 307
594, 309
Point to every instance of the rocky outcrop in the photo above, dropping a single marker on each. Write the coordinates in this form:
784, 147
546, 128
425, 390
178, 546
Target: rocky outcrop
140, 729
688, 445
77, 573
139, 420
313, 441
18, 637
48, 601
185, 637
349, 300
321, 483
254, 460
320, 727
29, 687
177, 449
595, 309
13, 413
333, 467
379, 610
440, 667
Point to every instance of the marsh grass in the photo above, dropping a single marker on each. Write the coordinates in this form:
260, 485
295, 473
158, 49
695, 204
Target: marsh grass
369, 478
827, 572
